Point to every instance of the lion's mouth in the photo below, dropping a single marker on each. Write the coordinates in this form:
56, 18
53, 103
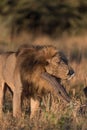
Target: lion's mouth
58, 88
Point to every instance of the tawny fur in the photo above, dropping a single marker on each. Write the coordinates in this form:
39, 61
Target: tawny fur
21, 71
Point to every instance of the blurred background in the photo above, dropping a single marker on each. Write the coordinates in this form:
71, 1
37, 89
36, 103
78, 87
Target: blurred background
53, 18
62, 23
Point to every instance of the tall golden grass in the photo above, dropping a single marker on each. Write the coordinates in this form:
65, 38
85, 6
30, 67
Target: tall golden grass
54, 114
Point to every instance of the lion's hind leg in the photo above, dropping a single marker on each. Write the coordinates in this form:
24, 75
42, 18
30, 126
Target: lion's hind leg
1, 97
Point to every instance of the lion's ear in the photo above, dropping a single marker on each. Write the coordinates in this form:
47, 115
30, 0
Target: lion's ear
54, 59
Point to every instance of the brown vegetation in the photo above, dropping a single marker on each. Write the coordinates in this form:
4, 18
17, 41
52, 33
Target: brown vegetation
56, 115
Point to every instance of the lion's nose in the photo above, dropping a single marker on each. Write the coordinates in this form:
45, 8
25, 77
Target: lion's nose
71, 72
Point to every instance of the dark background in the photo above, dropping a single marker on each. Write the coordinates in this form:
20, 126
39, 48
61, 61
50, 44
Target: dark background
51, 17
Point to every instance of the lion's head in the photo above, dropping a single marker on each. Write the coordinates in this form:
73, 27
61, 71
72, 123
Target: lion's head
37, 62
58, 66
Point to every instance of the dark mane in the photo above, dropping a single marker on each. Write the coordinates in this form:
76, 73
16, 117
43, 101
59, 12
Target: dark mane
32, 56
30, 59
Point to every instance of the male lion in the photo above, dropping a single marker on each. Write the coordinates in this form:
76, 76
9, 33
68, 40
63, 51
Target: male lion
33, 70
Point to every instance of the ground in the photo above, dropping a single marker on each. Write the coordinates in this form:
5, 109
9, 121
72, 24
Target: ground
58, 116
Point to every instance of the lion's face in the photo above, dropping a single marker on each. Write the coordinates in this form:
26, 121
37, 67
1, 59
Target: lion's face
58, 66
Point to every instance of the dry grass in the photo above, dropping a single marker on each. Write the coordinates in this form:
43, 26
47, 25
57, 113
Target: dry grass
59, 116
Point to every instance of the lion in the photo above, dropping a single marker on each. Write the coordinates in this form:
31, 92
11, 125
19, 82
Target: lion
33, 71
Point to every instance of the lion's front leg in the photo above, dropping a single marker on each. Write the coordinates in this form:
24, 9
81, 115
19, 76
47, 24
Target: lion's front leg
34, 107
17, 104
1, 97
